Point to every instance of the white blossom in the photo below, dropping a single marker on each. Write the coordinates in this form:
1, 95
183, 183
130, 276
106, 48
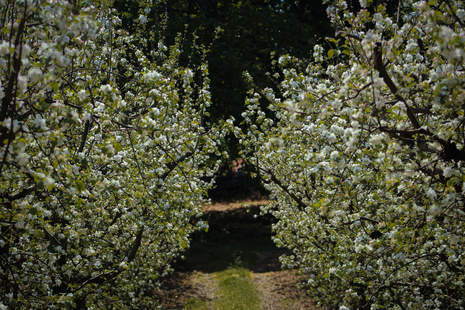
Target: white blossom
431, 194
82, 94
143, 19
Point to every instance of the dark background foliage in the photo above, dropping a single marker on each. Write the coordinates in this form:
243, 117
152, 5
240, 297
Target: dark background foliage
251, 31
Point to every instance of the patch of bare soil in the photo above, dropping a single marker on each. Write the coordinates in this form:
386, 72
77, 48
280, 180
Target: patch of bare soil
183, 286
233, 205
279, 291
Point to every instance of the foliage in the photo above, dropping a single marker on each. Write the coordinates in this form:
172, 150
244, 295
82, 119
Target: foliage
102, 150
250, 31
365, 157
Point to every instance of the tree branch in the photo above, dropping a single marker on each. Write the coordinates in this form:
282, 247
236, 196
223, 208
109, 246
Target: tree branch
299, 201
6, 101
457, 19
136, 245
84, 136
379, 66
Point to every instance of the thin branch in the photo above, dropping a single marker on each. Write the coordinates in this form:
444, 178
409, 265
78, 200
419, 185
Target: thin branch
136, 245
379, 66
275, 180
457, 19
84, 136
419, 131
6, 101
350, 35
22, 194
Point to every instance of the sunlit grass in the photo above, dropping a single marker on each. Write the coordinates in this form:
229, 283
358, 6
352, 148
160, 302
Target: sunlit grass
236, 289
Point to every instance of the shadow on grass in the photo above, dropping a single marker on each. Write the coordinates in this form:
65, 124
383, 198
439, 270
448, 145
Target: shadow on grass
233, 233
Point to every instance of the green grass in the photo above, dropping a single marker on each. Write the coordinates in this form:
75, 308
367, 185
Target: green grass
196, 304
236, 289
232, 233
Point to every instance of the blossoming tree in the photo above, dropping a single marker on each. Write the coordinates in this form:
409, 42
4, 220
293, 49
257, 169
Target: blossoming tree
103, 148
364, 157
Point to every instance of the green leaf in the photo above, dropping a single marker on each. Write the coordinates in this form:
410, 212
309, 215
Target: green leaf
453, 181
438, 13
331, 53
40, 184
118, 147
84, 163
347, 52
54, 85
80, 185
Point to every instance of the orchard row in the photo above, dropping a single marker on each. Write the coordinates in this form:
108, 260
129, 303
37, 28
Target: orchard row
105, 150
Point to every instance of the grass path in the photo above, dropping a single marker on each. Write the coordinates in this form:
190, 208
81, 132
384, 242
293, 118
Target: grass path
235, 290
275, 290
234, 266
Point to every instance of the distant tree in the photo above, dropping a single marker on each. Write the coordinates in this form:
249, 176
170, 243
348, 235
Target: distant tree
251, 31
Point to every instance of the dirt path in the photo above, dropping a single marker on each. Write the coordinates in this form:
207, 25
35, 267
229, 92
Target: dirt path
278, 290
235, 233
185, 286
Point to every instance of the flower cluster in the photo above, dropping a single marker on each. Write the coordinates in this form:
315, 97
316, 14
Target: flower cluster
368, 179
